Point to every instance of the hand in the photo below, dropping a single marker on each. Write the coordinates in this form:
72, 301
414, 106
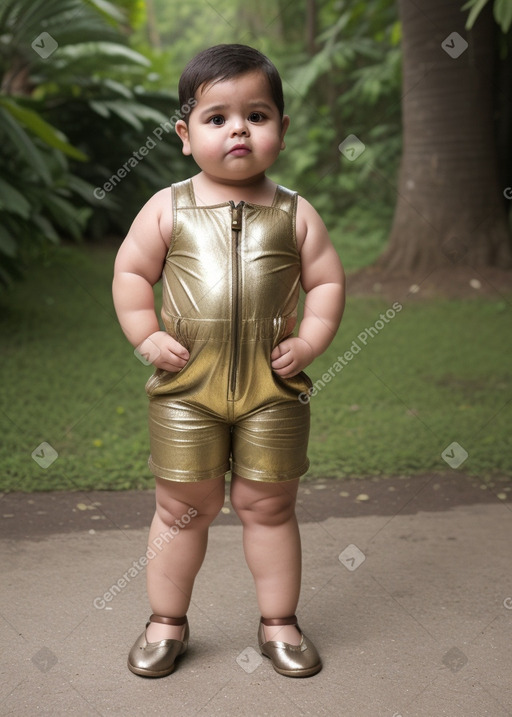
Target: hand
164, 352
291, 356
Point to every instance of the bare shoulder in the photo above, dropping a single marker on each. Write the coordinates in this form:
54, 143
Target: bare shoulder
309, 224
319, 259
145, 246
159, 209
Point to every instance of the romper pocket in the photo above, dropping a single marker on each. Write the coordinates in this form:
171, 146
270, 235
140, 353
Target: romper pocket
173, 326
277, 329
283, 327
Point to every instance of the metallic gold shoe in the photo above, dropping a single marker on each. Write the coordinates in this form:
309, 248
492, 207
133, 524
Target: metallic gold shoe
290, 660
157, 659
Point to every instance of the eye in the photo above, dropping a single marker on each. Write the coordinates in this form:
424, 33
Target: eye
256, 117
217, 120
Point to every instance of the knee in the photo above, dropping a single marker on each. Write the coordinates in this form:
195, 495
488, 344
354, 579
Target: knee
270, 510
187, 510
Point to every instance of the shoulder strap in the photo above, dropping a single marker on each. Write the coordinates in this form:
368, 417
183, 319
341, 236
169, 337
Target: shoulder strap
183, 194
285, 199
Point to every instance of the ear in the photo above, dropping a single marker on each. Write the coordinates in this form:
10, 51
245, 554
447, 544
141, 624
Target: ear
284, 127
182, 132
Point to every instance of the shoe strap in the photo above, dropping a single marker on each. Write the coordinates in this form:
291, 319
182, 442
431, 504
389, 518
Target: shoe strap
274, 621
168, 620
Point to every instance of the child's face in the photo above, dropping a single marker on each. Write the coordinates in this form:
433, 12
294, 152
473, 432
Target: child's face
235, 132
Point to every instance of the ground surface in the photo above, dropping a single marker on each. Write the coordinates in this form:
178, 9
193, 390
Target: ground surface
454, 282
34, 515
407, 593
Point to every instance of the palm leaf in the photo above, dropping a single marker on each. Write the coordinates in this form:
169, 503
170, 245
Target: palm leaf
475, 7
133, 113
106, 8
63, 214
37, 125
12, 200
114, 52
503, 14
8, 245
24, 145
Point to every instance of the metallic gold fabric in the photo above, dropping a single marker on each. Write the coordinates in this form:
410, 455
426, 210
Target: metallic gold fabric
231, 283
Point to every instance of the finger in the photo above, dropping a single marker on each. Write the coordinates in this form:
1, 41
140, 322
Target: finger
283, 361
170, 366
178, 349
178, 361
277, 352
286, 372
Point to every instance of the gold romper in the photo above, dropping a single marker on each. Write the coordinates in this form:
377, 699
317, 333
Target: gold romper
231, 283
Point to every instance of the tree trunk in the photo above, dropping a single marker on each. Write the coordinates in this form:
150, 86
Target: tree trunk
450, 201
311, 27
152, 25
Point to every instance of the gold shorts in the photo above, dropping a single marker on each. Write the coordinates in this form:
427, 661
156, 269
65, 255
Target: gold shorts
190, 443
217, 415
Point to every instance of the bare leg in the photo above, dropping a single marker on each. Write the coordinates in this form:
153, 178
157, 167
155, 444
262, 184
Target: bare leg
272, 548
179, 550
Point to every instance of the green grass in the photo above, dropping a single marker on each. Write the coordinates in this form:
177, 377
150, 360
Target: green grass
438, 372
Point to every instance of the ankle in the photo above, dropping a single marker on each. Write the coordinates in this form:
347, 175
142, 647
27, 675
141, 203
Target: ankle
156, 632
282, 633
165, 628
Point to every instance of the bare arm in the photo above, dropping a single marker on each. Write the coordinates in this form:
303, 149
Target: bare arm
137, 268
323, 280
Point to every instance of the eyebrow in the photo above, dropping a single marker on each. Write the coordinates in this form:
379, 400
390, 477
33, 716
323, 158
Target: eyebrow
220, 107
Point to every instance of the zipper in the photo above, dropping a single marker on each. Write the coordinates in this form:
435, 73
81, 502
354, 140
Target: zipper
236, 226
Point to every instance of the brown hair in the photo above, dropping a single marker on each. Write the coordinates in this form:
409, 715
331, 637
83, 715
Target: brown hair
223, 62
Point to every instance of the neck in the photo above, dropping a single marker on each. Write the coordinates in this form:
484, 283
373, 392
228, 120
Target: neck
259, 190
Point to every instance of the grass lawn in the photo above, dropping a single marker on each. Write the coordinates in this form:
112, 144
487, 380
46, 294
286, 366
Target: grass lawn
436, 372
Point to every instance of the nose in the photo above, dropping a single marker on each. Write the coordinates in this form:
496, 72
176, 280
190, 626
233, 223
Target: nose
239, 127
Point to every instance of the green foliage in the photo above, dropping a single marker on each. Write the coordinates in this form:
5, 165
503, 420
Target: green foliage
74, 123
35, 187
392, 410
72, 112
135, 11
502, 11
350, 86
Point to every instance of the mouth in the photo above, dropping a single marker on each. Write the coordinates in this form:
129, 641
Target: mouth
239, 150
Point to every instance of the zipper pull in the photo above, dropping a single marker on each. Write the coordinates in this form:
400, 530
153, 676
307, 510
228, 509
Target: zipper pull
236, 216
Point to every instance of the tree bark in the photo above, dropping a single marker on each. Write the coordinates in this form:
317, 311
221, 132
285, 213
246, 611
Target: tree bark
450, 201
311, 27
152, 25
